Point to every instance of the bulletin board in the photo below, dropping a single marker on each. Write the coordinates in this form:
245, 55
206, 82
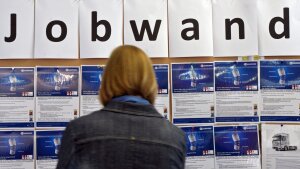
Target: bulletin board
209, 19
79, 62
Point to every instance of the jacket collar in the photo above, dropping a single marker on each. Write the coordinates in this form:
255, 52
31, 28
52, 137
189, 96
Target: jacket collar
132, 108
131, 99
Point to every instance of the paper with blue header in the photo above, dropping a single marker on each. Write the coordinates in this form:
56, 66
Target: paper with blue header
200, 147
193, 93
48, 143
236, 96
162, 101
280, 90
57, 100
17, 97
90, 84
237, 147
16, 149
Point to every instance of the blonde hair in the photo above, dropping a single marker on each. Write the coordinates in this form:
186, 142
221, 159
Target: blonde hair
129, 71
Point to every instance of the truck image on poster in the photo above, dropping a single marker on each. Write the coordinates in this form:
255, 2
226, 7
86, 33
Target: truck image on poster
281, 142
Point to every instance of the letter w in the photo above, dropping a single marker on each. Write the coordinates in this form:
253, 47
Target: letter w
145, 27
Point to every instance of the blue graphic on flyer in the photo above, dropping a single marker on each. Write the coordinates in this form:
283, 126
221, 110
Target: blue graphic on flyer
16, 82
57, 81
192, 77
162, 76
236, 140
236, 76
16, 145
280, 74
91, 79
199, 140
48, 144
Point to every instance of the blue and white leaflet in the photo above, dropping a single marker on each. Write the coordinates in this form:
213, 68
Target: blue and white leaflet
162, 101
280, 146
17, 97
280, 90
57, 92
200, 147
193, 93
236, 96
48, 143
16, 149
237, 147
90, 84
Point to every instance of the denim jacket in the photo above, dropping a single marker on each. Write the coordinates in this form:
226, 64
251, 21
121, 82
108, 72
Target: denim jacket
122, 136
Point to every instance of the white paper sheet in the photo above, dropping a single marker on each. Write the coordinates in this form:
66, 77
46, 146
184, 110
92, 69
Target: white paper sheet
280, 146
90, 84
193, 93
273, 11
57, 96
17, 41
17, 102
55, 15
190, 28
237, 147
236, 96
162, 101
107, 22
154, 15
235, 45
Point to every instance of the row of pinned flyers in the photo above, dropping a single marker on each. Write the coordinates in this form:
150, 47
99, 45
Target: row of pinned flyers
53, 96
29, 149
210, 92
208, 147
236, 92
240, 146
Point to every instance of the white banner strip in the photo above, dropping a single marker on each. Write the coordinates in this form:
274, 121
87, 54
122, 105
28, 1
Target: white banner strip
196, 28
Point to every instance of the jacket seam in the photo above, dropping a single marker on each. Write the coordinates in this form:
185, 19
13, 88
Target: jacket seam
72, 135
128, 139
130, 112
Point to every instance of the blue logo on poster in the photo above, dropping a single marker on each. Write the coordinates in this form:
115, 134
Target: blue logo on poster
16, 145
280, 74
199, 140
188, 78
162, 72
57, 81
236, 76
16, 82
48, 144
236, 141
91, 79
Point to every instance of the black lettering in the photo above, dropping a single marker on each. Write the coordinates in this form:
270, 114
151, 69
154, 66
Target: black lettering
95, 25
194, 30
228, 25
145, 27
286, 23
63, 34
13, 29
